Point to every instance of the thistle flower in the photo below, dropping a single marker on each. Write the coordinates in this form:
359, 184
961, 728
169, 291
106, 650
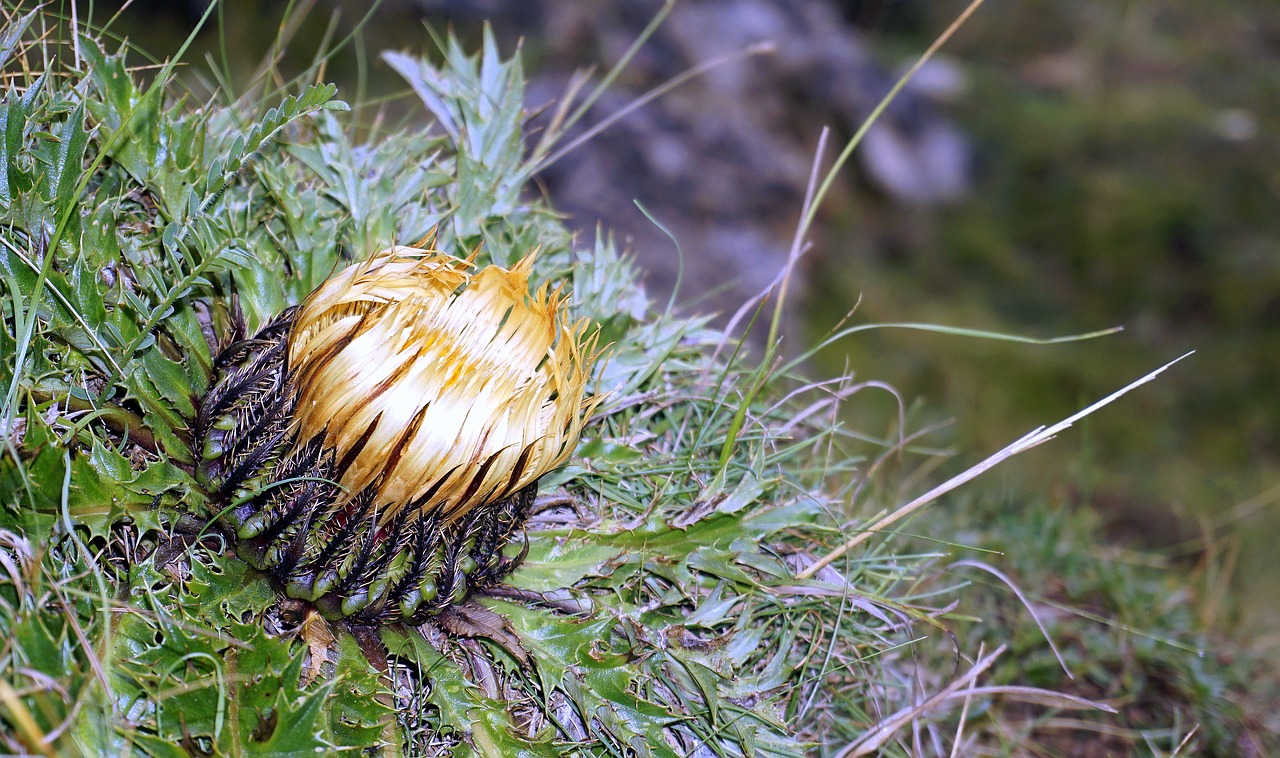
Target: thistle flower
380, 443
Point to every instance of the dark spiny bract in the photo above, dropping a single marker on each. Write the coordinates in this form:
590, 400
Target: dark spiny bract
374, 448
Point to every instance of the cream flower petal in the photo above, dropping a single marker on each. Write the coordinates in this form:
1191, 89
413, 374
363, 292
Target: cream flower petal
444, 389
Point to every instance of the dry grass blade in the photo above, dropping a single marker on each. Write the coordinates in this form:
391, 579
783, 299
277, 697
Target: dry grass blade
964, 715
874, 738
23, 720
1026, 603
1038, 696
807, 220
651, 95
1030, 440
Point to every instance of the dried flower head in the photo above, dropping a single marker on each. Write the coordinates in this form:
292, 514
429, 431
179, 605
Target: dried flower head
444, 389
382, 441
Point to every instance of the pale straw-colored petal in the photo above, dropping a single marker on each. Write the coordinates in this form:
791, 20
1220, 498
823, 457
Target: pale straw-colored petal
447, 389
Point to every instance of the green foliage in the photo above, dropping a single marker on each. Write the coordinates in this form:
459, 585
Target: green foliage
658, 603
479, 104
1129, 626
195, 667
134, 228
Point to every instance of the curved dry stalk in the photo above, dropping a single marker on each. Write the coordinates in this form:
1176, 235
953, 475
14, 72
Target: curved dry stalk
1026, 442
1026, 603
875, 737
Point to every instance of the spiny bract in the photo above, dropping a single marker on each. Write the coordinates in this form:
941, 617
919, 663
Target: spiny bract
376, 446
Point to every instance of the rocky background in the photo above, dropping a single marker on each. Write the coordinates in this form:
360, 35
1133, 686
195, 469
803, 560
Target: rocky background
1067, 166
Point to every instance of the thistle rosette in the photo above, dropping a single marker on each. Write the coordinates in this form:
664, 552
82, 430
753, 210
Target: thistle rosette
379, 444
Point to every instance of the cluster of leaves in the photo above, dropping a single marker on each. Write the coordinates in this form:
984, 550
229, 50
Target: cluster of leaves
134, 228
125, 226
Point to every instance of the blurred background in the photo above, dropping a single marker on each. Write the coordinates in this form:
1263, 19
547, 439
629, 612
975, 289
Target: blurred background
1063, 166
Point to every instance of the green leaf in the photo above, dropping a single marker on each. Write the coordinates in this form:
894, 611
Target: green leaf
356, 713
478, 101
12, 33
552, 564
297, 731
196, 357
171, 380
13, 121
64, 177
160, 417
157, 747
105, 488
